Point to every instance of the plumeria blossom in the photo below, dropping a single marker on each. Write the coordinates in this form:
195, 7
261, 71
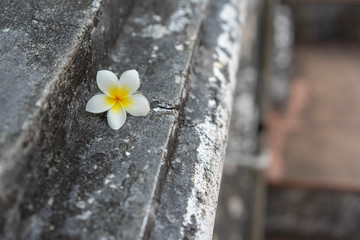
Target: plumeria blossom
118, 97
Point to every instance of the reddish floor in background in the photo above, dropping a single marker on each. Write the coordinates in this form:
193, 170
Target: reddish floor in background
315, 140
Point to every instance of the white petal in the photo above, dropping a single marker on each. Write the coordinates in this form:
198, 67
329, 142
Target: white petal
116, 116
129, 80
99, 103
137, 105
107, 82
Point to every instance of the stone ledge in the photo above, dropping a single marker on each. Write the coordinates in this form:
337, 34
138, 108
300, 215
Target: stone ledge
241, 201
78, 179
187, 200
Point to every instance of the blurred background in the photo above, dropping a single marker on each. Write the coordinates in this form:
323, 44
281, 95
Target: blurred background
299, 176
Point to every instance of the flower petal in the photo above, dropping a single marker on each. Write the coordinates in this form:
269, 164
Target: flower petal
116, 116
129, 82
136, 105
107, 82
99, 103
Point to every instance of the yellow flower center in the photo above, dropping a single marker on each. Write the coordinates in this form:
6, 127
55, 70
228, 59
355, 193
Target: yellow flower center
120, 97
123, 97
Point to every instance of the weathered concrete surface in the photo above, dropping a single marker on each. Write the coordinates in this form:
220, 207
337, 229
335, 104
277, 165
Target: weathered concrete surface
187, 197
39, 40
77, 178
45, 55
241, 201
158, 177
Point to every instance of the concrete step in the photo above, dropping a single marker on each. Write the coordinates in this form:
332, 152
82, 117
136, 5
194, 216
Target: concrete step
64, 173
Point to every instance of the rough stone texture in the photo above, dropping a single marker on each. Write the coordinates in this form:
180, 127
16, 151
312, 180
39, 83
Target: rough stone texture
77, 178
45, 55
40, 42
187, 199
308, 214
239, 214
64, 173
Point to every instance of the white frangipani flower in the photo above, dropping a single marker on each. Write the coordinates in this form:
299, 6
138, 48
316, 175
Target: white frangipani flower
118, 97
